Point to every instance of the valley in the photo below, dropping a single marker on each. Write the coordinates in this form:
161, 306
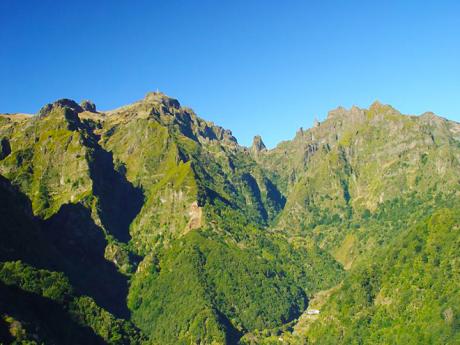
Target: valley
147, 224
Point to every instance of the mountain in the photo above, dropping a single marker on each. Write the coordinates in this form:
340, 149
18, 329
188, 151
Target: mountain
407, 293
359, 176
147, 224
404, 292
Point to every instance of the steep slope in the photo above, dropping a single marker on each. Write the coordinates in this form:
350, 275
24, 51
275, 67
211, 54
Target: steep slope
37, 303
193, 163
380, 191
354, 180
131, 203
407, 293
56, 162
203, 179
149, 214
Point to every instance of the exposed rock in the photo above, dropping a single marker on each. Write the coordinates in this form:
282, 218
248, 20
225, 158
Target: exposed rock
162, 98
129, 187
382, 109
257, 144
171, 102
45, 110
355, 114
118, 256
228, 136
195, 214
338, 112
72, 118
448, 315
69, 103
88, 106
146, 264
431, 119
63, 103
224, 134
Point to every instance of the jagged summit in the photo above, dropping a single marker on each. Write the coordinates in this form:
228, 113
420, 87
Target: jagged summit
88, 105
385, 109
60, 103
356, 113
168, 111
160, 97
376, 104
129, 204
85, 105
336, 112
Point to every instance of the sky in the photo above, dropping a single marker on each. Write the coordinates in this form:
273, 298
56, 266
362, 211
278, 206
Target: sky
256, 67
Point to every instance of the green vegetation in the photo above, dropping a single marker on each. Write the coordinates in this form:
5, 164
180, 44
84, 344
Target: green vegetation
46, 309
408, 292
194, 278
147, 224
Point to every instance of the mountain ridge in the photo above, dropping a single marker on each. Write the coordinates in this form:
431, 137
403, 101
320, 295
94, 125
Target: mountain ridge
158, 95
148, 196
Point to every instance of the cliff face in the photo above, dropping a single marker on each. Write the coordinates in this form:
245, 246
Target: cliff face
362, 162
258, 145
163, 220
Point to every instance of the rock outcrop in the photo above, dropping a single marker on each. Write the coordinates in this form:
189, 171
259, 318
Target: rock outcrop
204, 239
258, 144
63, 103
88, 106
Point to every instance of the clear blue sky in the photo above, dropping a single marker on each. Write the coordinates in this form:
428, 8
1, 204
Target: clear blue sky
255, 67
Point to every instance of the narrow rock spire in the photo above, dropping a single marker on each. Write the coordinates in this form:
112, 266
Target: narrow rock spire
257, 144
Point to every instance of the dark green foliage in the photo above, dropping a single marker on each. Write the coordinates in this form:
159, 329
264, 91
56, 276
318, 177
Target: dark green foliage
81, 245
236, 289
51, 285
69, 241
152, 215
46, 309
312, 268
408, 292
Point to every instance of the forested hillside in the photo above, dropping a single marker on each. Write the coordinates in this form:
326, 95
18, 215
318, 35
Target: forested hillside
149, 225
406, 293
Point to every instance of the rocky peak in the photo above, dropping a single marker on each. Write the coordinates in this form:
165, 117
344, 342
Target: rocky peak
257, 144
428, 114
222, 134
88, 106
336, 113
376, 111
376, 105
355, 114
67, 108
383, 109
431, 119
61, 103
160, 97
68, 103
